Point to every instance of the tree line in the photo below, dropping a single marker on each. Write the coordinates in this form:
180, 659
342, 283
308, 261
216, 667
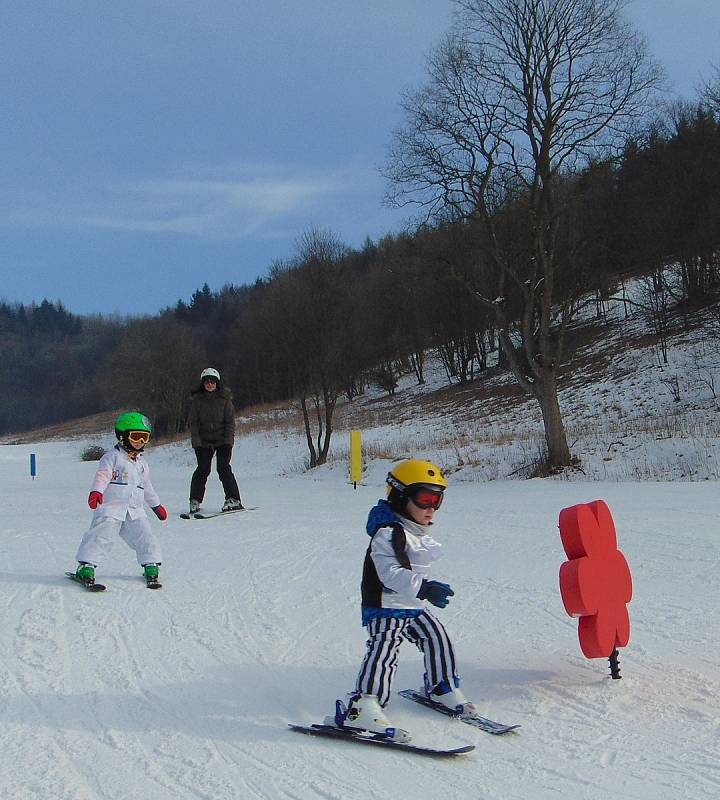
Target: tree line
536, 187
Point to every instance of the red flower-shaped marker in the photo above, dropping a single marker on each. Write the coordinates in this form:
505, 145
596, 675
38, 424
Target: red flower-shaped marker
595, 583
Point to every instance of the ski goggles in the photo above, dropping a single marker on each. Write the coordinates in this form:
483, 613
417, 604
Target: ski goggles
138, 438
425, 497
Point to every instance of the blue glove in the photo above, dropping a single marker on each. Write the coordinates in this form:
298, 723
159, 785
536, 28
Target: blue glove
437, 593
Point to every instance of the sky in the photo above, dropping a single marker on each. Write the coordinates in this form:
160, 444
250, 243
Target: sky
151, 146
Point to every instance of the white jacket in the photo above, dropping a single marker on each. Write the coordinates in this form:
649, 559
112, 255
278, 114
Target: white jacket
125, 486
404, 584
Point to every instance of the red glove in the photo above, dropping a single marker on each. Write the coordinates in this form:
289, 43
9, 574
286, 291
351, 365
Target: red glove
95, 499
160, 512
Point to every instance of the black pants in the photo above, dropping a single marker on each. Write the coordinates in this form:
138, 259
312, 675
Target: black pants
224, 470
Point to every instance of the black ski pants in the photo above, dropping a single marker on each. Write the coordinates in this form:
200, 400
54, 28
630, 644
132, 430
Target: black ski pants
204, 455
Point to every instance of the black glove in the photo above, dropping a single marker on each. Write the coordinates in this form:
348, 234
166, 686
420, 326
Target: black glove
437, 593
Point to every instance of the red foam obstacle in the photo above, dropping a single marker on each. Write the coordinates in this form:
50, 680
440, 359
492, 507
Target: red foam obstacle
595, 582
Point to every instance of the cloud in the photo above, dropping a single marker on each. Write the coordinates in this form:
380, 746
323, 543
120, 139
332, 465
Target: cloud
231, 202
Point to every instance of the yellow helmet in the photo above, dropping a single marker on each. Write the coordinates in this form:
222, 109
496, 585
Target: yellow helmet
412, 472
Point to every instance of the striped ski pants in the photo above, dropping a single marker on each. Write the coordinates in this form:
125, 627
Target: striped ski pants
379, 666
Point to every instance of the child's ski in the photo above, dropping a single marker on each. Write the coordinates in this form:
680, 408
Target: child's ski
485, 724
212, 514
363, 737
91, 587
153, 583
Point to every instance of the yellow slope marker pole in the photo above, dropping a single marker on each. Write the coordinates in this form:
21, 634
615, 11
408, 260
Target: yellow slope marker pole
355, 457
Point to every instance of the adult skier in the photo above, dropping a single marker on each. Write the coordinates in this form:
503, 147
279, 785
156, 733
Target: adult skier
118, 494
396, 588
212, 431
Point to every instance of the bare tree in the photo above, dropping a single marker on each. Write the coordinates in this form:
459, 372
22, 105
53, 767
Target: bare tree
657, 299
313, 308
711, 93
522, 94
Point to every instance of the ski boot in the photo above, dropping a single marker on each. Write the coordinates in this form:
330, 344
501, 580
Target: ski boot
232, 504
363, 713
194, 506
85, 573
152, 573
451, 697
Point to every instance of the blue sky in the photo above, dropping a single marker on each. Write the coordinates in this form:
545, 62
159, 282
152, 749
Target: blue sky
150, 146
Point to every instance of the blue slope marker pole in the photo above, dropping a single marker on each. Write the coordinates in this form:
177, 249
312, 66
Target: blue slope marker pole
33, 466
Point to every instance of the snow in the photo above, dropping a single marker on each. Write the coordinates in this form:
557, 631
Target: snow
186, 692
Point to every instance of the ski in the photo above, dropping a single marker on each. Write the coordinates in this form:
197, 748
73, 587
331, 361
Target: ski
364, 737
212, 514
91, 587
485, 724
153, 583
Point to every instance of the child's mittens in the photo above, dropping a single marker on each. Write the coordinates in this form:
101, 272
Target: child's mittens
95, 499
160, 512
437, 593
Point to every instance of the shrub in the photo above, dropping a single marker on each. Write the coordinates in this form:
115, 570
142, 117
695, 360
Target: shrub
384, 378
92, 452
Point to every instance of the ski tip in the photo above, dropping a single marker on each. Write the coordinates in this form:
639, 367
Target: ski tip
475, 720
93, 587
458, 751
213, 514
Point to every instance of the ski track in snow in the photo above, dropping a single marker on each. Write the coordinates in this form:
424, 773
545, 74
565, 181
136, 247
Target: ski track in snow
185, 693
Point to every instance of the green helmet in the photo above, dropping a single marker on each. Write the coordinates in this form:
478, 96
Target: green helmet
132, 421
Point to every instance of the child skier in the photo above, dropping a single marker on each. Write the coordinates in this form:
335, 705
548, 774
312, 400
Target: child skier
120, 488
395, 588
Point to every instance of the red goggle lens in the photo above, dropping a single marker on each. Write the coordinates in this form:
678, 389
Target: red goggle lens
138, 437
427, 498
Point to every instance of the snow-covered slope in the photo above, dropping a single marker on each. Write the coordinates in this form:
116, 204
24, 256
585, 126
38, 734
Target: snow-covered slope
186, 692
629, 415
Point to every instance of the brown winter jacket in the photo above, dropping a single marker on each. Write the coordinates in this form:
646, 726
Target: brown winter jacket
212, 418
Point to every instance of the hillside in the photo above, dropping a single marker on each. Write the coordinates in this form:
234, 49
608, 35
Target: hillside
628, 415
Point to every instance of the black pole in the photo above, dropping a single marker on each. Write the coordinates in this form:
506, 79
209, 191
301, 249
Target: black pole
615, 665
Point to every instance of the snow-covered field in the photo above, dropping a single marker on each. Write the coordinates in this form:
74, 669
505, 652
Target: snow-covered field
186, 692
